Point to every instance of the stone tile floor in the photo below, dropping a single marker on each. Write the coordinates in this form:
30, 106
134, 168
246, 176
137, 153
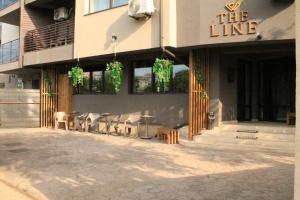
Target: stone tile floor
56, 165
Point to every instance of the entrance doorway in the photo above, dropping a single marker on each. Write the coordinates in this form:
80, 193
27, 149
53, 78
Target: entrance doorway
266, 89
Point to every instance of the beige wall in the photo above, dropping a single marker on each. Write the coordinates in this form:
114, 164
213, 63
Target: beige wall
93, 32
297, 171
194, 17
168, 109
185, 23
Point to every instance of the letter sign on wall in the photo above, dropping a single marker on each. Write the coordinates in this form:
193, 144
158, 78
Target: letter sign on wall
233, 23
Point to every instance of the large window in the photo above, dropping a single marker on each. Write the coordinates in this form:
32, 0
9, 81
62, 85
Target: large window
95, 82
180, 78
98, 5
144, 81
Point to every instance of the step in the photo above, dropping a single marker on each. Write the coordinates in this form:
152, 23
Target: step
220, 140
260, 127
259, 135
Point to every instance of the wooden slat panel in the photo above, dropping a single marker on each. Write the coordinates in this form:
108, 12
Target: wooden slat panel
48, 103
64, 94
198, 107
53, 35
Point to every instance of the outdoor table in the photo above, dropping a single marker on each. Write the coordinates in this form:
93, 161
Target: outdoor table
146, 117
106, 115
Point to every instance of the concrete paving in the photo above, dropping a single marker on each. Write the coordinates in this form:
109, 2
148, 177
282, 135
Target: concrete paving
58, 165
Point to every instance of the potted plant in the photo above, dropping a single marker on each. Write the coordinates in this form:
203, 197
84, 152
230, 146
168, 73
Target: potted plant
76, 75
162, 69
116, 69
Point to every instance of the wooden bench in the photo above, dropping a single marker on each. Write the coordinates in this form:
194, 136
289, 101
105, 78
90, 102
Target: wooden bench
168, 134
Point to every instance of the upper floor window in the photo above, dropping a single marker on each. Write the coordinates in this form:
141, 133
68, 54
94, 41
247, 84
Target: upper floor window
98, 5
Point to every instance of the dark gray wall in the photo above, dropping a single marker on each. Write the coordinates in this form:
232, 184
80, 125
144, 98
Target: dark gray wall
168, 109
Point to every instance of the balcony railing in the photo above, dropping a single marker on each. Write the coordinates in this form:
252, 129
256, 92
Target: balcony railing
6, 3
9, 52
50, 36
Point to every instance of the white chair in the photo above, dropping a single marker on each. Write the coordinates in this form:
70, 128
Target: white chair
60, 117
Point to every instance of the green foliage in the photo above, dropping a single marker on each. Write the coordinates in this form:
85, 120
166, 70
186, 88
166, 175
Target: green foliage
115, 69
76, 75
201, 80
49, 82
181, 82
162, 69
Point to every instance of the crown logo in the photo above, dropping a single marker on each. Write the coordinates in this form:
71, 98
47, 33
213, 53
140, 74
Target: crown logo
233, 6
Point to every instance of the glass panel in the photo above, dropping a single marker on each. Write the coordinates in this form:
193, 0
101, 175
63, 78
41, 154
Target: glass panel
142, 80
119, 2
180, 78
85, 88
9, 52
97, 5
109, 88
97, 84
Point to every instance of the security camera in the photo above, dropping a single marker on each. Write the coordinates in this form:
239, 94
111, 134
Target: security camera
114, 37
259, 36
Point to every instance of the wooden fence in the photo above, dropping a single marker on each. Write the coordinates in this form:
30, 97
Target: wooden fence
198, 103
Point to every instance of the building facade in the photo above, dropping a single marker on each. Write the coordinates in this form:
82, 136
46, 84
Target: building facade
243, 50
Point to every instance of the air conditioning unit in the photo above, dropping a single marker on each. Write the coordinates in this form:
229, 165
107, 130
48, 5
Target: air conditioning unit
140, 8
61, 14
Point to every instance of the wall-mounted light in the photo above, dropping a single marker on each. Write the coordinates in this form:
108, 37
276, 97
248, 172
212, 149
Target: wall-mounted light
259, 36
114, 37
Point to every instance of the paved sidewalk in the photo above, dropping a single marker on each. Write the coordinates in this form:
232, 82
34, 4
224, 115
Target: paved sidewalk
56, 165
10, 193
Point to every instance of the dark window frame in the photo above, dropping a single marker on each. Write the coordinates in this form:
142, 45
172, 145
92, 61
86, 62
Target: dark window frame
90, 70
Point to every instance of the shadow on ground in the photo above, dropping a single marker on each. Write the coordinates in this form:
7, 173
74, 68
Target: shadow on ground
78, 166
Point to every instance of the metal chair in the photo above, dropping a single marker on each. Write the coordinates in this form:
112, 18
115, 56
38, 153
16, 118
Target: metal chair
80, 121
92, 120
132, 125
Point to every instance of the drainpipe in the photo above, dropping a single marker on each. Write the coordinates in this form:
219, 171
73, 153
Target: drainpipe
161, 25
162, 36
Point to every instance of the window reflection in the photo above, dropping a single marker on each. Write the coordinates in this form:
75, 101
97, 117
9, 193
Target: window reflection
85, 88
109, 88
119, 2
180, 78
97, 83
97, 5
142, 80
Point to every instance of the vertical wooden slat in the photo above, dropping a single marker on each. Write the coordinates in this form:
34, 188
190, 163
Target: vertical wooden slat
191, 80
48, 103
198, 107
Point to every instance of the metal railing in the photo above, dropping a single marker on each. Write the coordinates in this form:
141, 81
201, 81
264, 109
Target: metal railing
9, 52
50, 36
6, 3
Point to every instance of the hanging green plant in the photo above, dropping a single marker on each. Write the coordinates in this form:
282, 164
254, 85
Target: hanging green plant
162, 69
49, 82
115, 74
76, 75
